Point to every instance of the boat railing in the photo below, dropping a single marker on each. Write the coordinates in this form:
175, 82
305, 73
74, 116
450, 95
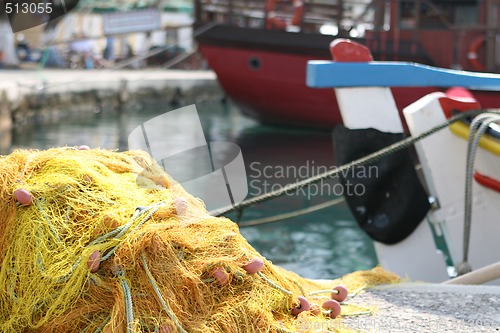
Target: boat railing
352, 13
248, 13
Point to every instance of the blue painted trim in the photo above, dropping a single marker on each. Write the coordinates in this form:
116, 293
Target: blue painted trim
328, 74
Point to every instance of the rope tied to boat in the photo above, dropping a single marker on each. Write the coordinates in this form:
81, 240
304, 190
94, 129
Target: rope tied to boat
292, 214
405, 143
478, 128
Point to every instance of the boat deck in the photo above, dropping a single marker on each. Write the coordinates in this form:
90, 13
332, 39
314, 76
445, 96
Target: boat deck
437, 308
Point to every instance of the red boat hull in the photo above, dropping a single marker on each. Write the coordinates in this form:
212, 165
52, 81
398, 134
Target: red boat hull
270, 86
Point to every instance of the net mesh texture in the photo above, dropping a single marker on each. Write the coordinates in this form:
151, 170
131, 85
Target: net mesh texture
104, 241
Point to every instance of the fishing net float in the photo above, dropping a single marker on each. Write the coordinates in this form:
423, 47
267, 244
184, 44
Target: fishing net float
98, 241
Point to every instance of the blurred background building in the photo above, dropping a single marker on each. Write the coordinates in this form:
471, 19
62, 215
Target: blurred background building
111, 30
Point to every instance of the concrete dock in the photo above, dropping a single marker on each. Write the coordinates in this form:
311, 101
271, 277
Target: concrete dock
49, 94
433, 308
58, 80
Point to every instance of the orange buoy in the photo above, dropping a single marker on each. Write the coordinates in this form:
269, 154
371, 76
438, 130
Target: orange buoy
254, 265
181, 204
166, 328
23, 196
94, 261
221, 276
339, 293
273, 22
110, 221
303, 306
473, 53
334, 306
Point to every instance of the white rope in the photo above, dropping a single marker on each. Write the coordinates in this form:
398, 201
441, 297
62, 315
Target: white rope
477, 128
129, 306
274, 285
158, 293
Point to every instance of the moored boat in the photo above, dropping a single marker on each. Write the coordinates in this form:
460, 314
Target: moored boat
446, 223
262, 66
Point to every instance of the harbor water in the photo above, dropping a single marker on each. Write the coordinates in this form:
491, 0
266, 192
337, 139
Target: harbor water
322, 244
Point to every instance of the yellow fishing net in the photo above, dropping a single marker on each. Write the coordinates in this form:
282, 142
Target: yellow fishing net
101, 241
